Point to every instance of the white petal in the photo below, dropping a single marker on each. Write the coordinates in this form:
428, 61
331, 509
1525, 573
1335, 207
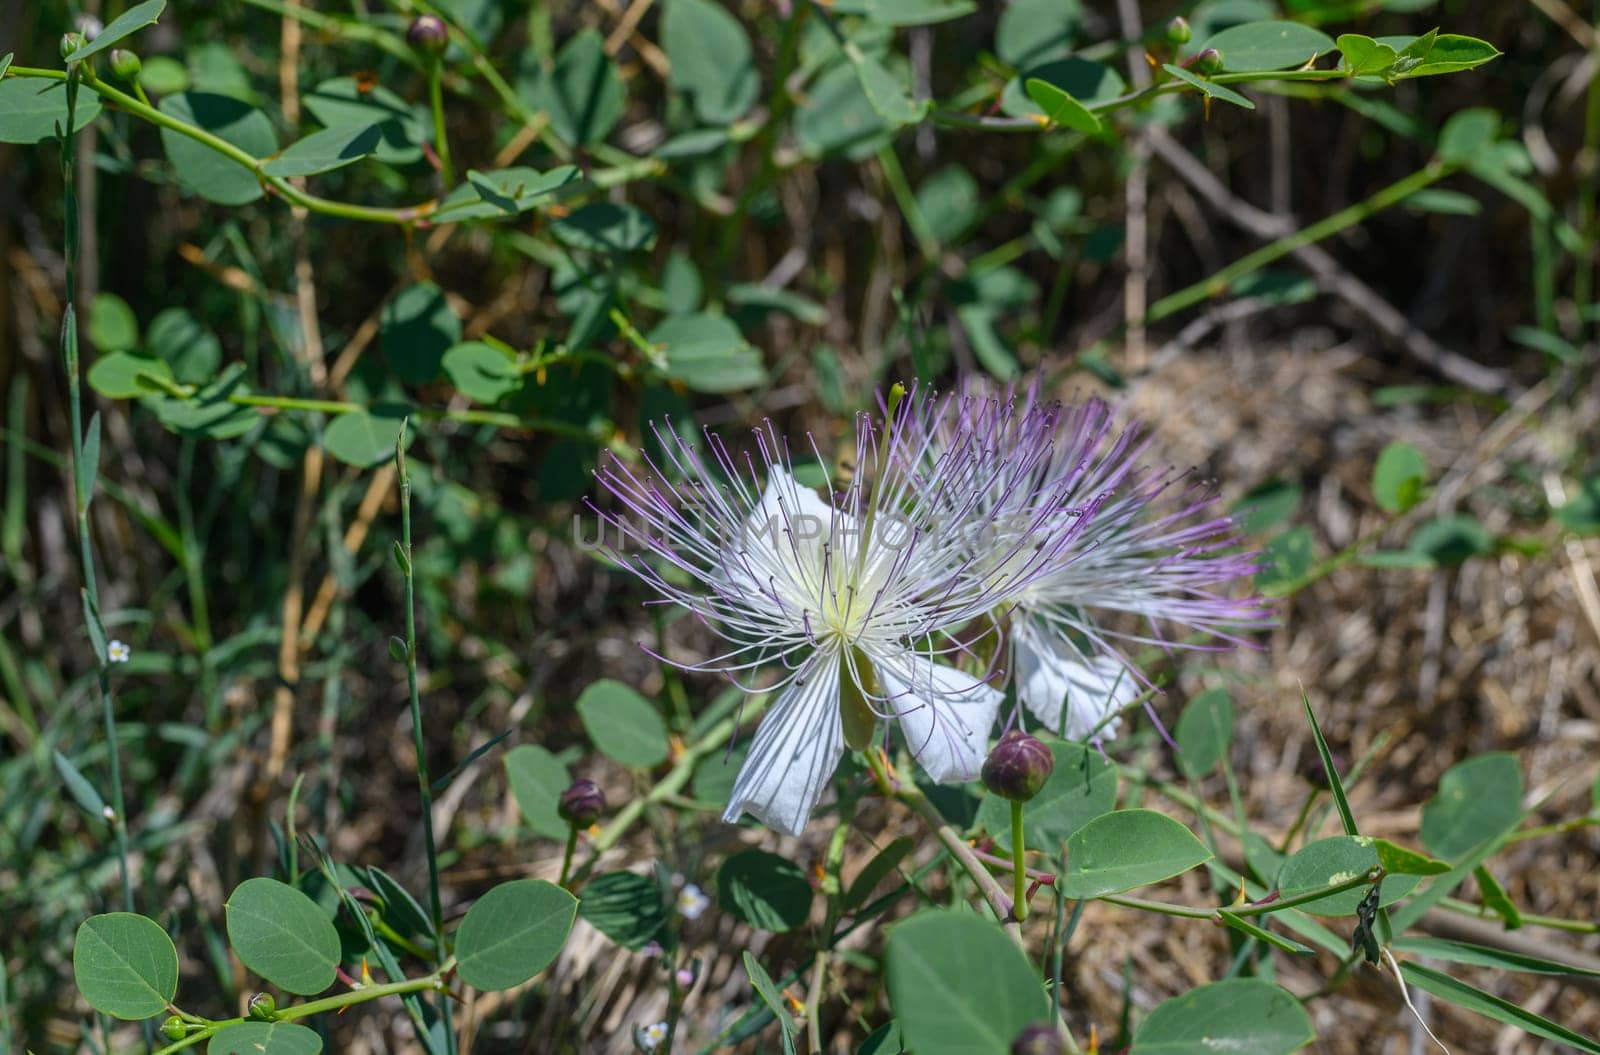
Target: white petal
1050, 674
779, 545
796, 749
944, 714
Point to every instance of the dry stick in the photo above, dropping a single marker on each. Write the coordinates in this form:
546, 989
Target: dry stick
1136, 205
1329, 272
653, 56
354, 536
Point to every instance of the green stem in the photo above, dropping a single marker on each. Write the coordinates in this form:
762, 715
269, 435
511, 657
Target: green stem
566, 856
1218, 283
441, 142
1265, 908
424, 786
1019, 867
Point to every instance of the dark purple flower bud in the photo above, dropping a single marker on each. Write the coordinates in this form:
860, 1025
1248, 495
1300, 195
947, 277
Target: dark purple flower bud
1018, 766
1037, 1039
1177, 31
428, 34
1207, 63
125, 64
582, 803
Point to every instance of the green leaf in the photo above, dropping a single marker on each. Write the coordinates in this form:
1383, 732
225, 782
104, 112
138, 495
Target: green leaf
707, 353
1243, 1016
1467, 134
1449, 53
1444, 202
770, 995
1364, 56
714, 777
1125, 849
112, 325
1463, 995
417, 328
400, 910
124, 25
1334, 860
606, 227
885, 1040
283, 936
625, 907
1484, 956
1267, 505
324, 151
836, 117
265, 1038
711, 59
1082, 785
1209, 88
1452, 540
1034, 31
1554, 345
1399, 477
906, 12
1270, 45
886, 92
202, 170
1397, 860
764, 890
623, 725
78, 786
125, 965
1495, 898
948, 200
186, 344
481, 372
537, 780
581, 93
1278, 941
164, 75
343, 103
1087, 82
87, 471
1059, 108
364, 438
1288, 557
31, 108
1205, 731
1335, 781
209, 411
513, 932
1478, 799
958, 986
883, 863
1581, 513
499, 193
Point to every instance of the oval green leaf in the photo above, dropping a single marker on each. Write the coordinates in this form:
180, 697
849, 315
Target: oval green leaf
125, 965
1334, 860
623, 724
1059, 107
417, 328
708, 353
765, 890
201, 169
31, 108
364, 438
324, 151
537, 780
113, 327
265, 1038
1126, 849
1205, 730
481, 372
513, 932
1477, 800
1272, 45
712, 63
625, 907
959, 986
1243, 1016
118, 375
283, 936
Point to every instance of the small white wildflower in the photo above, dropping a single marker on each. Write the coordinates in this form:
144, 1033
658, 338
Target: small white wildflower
692, 902
117, 652
651, 1036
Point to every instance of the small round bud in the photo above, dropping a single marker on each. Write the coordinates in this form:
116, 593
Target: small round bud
1177, 31
262, 1007
581, 804
1037, 1039
174, 1029
428, 34
125, 64
1207, 62
71, 42
1018, 766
